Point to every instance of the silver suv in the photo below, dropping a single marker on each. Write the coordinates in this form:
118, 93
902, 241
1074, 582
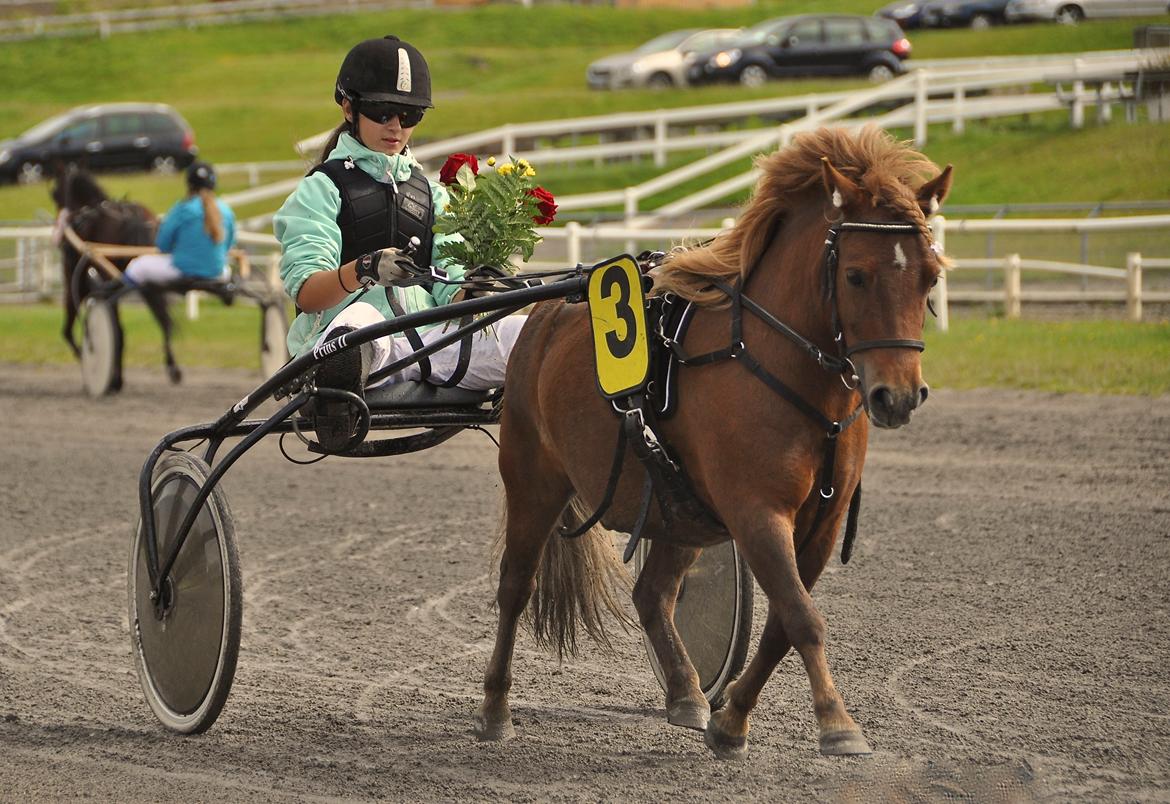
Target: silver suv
660, 63
1070, 12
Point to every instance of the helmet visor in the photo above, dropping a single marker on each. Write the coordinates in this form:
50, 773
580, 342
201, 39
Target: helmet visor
383, 113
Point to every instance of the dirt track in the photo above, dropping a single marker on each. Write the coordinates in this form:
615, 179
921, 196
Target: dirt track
1003, 631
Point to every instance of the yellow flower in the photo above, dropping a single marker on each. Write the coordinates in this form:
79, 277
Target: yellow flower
529, 171
505, 168
524, 164
491, 161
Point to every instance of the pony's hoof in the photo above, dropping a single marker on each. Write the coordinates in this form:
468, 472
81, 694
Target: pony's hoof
724, 745
844, 744
689, 714
493, 730
175, 374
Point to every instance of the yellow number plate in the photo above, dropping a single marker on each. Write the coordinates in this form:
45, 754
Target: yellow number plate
617, 309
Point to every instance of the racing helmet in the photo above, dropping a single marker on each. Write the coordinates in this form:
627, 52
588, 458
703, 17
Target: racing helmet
200, 176
385, 70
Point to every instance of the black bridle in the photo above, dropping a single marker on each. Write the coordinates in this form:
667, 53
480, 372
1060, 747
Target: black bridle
839, 364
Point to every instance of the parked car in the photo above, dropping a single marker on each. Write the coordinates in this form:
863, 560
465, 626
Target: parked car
111, 136
809, 44
662, 62
1070, 12
907, 13
963, 13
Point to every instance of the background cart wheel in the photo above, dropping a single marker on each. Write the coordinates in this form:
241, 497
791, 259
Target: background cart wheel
101, 347
713, 616
273, 344
185, 650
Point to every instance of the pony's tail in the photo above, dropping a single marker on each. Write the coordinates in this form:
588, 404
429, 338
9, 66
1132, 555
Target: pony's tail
212, 216
578, 583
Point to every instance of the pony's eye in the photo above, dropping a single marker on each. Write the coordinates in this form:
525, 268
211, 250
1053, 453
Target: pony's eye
855, 278
934, 281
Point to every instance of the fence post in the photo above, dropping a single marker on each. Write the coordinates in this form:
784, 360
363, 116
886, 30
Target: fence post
631, 210
938, 227
573, 243
1104, 104
253, 174
920, 108
23, 274
1133, 285
660, 142
507, 142
1011, 286
274, 271
1077, 110
192, 298
728, 223
103, 26
958, 124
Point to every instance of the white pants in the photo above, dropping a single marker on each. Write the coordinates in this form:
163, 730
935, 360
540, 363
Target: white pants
158, 269
490, 348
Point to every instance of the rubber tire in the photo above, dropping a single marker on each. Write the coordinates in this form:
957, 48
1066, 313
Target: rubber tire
182, 467
164, 165
880, 73
30, 173
713, 679
273, 339
1069, 15
981, 22
101, 347
753, 75
660, 81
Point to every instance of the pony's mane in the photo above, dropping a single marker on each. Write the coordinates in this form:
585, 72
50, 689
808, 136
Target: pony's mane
888, 170
82, 190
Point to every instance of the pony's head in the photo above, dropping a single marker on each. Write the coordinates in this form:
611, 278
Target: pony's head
879, 264
863, 293
74, 188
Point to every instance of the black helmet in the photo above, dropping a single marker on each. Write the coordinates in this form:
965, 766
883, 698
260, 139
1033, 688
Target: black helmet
200, 176
385, 70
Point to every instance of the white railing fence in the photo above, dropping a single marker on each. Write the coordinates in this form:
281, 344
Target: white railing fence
33, 272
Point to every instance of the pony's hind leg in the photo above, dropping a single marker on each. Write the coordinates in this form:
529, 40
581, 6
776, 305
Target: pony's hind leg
157, 302
792, 619
532, 510
655, 595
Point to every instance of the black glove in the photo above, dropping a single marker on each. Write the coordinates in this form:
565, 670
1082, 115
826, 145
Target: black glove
387, 267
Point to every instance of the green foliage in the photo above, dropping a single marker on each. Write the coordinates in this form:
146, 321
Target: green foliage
493, 213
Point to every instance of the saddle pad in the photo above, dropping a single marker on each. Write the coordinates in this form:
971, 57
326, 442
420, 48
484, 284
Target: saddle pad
410, 394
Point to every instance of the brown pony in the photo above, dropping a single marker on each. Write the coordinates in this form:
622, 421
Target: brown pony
751, 456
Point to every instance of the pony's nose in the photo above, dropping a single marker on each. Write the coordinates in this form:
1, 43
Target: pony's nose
890, 409
923, 393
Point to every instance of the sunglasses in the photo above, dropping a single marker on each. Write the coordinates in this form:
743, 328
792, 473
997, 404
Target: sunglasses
383, 113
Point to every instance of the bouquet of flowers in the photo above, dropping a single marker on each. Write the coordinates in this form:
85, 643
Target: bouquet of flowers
496, 212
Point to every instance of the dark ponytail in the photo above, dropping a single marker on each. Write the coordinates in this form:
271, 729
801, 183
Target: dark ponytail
331, 143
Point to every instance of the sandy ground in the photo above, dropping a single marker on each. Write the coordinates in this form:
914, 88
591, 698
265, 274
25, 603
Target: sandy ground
1003, 632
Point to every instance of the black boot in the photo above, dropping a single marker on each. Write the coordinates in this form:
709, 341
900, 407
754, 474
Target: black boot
336, 420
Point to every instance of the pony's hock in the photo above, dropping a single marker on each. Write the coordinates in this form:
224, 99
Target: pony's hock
791, 341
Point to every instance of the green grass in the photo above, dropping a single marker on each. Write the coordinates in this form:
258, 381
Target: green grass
1081, 356
1113, 357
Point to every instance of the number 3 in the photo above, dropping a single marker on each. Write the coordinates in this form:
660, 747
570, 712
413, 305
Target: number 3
620, 347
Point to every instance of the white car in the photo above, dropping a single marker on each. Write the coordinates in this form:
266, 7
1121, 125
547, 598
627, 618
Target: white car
660, 63
1070, 12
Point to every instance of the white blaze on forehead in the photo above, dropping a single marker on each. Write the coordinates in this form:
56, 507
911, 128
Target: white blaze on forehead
900, 257
403, 70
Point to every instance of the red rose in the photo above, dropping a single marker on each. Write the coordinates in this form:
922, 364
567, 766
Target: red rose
452, 165
545, 204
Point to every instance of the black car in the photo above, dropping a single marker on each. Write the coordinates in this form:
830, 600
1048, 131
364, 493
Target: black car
907, 13
112, 136
810, 44
963, 13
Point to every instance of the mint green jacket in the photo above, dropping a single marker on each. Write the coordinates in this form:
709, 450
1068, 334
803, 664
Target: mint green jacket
310, 239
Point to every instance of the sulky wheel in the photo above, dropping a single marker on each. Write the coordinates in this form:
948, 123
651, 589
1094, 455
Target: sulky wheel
273, 334
713, 616
101, 347
185, 649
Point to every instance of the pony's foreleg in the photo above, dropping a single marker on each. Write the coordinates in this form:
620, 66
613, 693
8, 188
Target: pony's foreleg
70, 320
655, 595
768, 548
531, 517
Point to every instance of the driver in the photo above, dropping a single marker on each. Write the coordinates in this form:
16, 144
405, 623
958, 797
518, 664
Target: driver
362, 220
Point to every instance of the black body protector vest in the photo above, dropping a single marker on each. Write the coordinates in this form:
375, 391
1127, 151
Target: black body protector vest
374, 215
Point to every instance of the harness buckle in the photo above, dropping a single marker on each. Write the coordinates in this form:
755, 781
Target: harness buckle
853, 376
828, 495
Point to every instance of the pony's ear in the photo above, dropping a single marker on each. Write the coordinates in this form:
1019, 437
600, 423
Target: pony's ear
934, 192
842, 192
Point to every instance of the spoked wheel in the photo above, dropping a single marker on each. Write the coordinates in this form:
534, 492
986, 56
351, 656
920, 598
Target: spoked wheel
713, 616
185, 649
101, 347
273, 345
